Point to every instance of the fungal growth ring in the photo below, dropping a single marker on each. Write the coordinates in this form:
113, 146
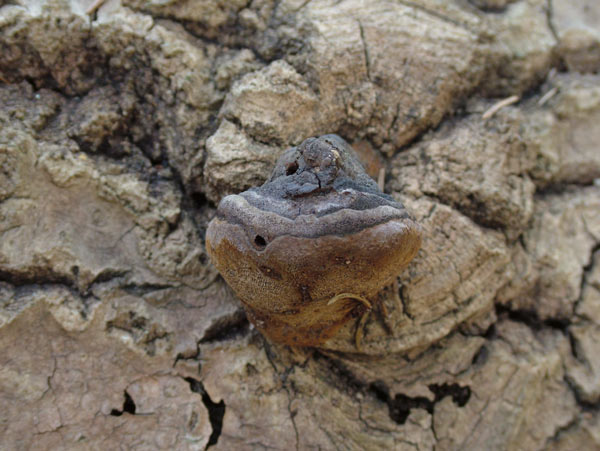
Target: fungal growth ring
308, 250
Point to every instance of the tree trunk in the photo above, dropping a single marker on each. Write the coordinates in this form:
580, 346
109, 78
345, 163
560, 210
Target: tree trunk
122, 125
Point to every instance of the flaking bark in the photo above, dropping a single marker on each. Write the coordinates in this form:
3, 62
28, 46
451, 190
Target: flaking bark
119, 133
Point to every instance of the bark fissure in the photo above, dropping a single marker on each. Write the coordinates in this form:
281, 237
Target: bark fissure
216, 411
121, 131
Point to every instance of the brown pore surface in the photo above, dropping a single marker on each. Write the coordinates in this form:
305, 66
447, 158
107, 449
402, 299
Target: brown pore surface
286, 286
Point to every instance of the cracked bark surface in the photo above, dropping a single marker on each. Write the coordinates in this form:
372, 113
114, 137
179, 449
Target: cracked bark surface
121, 130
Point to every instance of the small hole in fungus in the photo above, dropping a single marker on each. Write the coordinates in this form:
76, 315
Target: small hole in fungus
291, 168
260, 241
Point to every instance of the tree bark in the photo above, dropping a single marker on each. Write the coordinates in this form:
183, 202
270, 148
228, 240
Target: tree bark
122, 128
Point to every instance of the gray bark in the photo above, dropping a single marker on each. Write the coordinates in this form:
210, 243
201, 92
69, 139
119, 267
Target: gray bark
120, 130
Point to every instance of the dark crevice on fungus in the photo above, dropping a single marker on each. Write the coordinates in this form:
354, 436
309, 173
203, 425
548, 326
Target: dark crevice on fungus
216, 410
260, 241
291, 168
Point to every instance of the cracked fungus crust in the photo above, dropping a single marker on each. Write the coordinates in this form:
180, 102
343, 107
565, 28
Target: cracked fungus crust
317, 228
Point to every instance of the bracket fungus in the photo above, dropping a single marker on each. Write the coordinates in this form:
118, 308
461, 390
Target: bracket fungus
309, 249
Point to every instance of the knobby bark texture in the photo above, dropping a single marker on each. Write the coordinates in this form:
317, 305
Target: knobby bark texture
123, 125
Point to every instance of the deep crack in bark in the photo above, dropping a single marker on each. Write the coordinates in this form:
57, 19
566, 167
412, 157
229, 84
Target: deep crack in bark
216, 410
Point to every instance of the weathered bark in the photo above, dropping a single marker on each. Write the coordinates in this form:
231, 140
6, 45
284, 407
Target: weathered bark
121, 130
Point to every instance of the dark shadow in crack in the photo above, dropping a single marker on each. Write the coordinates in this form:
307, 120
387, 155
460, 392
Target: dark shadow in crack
400, 405
128, 407
216, 410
